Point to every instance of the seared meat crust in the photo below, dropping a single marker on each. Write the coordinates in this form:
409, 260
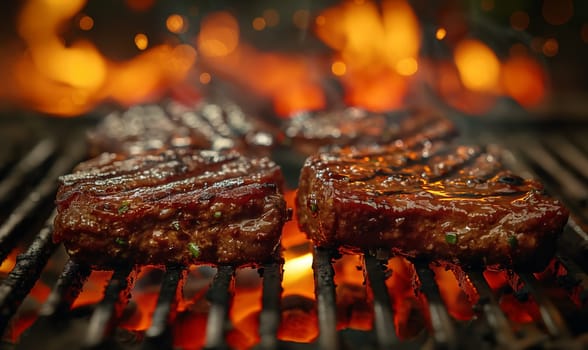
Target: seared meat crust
309, 132
177, 206
429, 200
207, 125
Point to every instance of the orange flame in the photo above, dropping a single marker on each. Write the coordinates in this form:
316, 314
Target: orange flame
524, 80
289, 80
477, 65
477, 77
378, 47
69, 80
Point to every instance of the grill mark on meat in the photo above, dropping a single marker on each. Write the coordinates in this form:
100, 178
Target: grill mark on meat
330, 130
230, 206
483, 207
375, 165
206, 125
454, 161
464, 169
209, 121
122, 173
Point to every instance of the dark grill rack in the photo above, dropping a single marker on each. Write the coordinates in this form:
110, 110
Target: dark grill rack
28, 185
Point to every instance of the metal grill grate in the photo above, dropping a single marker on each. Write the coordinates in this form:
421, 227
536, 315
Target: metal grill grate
28, 184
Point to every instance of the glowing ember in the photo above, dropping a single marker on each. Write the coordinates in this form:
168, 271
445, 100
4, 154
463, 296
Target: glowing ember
292, 237
141, 41
176, 23
518, 307
299, 320
408, 315
143, 301
441, 33
93, 290
8, 263
453, 295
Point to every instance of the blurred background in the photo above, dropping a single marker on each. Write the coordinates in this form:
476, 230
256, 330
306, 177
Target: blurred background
482, 58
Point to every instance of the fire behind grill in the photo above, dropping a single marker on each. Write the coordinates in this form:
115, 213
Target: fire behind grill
40, 155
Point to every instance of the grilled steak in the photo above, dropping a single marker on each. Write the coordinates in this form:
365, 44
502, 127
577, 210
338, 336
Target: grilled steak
178, 206
308, 132
428, 200
204, 126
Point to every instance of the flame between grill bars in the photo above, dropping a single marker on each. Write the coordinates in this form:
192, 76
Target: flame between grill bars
558, 295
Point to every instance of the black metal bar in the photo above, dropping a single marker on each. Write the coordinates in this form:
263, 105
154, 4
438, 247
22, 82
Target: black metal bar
575, 273
383, 316
269, 317
441, 323
65, 291
569, 185
116, 296
54, 316
219, 295
36, 197
25, 273
489, 305
326, 301
552, 319
570, 153
34, 159
158, 336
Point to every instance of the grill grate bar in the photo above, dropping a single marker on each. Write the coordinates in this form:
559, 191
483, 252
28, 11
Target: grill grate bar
25, 273
492, 312
269, 318
158, 335
383, 317
569, 184
31, 161
35, 198
116, 296
443, 328
579, 139
219, 295
570, 153
576, 274
65, 291
325, 296
550, 315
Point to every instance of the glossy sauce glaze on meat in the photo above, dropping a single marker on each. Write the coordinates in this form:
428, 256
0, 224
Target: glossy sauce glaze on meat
431, 200
178, 206
206, 125
308, 132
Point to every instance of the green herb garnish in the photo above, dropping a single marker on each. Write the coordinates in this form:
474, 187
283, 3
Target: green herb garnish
124, 207
175, 225
120, 241
513, 241
451, 237
194, 249
313, 207
217, 214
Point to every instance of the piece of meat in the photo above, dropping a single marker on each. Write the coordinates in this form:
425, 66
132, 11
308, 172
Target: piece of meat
308, 132
178, 206
206, 125
429, 200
